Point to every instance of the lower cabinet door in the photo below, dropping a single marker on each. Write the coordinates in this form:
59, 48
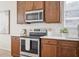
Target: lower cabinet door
67, 52
15, 46
48, 51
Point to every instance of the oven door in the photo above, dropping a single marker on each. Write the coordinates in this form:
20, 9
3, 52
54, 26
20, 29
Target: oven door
34, 45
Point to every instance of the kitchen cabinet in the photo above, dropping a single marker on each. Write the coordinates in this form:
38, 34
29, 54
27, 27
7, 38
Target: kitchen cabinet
52, 11
48, 48
38, 5
68, 48
34, 5
15, 46
67, 52
59, 48
28, 5
23, 6
21, 12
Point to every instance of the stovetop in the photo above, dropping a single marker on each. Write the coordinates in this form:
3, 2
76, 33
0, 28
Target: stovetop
36, 33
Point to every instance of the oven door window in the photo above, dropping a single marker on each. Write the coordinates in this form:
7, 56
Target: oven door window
34, 46
23, 45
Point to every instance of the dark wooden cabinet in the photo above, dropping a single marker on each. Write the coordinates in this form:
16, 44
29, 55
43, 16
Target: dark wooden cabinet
52, 11
59, 48
15, 46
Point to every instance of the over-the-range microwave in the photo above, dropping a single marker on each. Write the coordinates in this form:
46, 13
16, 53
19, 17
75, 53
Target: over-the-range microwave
34, 16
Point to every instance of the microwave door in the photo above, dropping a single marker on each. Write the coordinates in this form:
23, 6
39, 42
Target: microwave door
35, 16
32, 17
40, 16
29, 17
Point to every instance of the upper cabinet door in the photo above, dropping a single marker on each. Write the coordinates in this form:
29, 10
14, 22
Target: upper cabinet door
52, 11
38, 5
29, 5
34, 5
20, 12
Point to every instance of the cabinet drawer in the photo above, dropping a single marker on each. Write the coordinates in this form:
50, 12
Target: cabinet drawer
49, 41
68, 43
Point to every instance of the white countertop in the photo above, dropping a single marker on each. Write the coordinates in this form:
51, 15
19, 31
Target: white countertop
60, 38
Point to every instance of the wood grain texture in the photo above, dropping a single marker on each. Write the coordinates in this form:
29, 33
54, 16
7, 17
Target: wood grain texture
52, 11
49, 51
38, 5
67, 52
21, 12
15, 46
59, 48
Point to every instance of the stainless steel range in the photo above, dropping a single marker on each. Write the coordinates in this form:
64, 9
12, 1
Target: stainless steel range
30, 45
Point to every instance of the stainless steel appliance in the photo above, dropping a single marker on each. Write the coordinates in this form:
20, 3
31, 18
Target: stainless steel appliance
34, 16
30, 45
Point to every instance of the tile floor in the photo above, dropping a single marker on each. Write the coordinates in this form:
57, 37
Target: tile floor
5, 53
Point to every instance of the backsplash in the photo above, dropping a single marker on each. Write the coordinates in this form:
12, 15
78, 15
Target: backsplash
55, 27
73, 32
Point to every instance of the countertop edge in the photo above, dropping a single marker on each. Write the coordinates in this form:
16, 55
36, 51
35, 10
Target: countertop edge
59, 38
